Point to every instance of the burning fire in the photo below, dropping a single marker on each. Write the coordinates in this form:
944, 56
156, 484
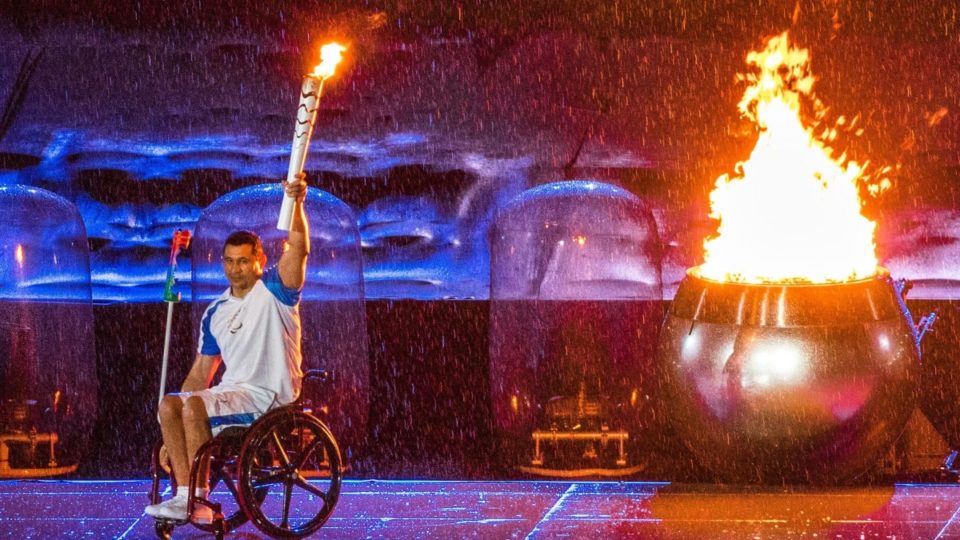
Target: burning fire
330, 56
792, 212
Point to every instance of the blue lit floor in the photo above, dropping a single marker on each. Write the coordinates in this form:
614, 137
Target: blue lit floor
426, 509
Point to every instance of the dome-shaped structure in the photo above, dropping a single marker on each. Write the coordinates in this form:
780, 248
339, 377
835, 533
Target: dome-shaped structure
576, 240
576, 299
331, 310
48, 372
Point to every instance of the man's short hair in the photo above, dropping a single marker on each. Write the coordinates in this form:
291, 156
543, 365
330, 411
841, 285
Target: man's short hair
240, 238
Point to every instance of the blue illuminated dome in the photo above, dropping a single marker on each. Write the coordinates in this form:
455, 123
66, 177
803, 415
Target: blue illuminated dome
575, 306
48, 384
578, 239
332, 311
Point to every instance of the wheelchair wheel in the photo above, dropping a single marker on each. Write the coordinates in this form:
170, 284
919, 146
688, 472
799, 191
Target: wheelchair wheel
222, 452
163, 529
293, 455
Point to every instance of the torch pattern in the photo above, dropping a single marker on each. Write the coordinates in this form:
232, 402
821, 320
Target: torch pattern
302, 132
310, 90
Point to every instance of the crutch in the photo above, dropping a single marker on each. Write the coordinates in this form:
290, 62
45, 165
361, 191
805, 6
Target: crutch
181, 240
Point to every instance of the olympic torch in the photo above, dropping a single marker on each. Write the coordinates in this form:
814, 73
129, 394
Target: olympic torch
310, 90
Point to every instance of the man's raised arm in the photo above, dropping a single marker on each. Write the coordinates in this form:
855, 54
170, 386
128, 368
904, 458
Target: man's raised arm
293, 262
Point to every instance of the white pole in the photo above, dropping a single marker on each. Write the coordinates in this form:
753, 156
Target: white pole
166, 351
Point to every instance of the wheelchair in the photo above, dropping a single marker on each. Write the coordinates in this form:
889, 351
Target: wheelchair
283, 473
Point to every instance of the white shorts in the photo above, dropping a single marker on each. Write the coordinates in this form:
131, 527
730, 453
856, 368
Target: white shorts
232, 405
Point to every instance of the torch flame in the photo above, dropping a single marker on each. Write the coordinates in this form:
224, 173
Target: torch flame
330, 56
792, 212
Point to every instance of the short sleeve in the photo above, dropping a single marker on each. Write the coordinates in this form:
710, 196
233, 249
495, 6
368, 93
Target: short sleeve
208, 344
286, 295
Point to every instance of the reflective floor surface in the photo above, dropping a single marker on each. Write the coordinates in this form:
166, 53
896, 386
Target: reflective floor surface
530, 509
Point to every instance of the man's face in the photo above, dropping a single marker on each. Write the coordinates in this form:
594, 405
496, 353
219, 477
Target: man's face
242, 267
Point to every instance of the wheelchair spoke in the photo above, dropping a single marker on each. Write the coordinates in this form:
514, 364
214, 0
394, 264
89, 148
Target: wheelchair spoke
287, 495
302, 482
268, 480
284, 458
308, 452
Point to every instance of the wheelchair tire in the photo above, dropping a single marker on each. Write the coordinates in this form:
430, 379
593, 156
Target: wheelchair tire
163, 529
292, 454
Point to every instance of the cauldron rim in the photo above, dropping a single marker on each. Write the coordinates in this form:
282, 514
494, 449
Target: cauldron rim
787, 304
881, 274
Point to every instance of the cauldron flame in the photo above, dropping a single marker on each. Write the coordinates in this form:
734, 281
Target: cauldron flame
791, 213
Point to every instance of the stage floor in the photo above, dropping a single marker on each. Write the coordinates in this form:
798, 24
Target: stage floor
531, 509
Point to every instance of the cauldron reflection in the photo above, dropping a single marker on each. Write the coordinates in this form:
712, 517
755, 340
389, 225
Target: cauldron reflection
789, 382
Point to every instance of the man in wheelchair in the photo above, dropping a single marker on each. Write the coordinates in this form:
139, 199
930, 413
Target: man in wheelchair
254, 329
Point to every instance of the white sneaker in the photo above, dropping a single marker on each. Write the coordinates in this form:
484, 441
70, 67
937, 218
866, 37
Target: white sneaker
174, 509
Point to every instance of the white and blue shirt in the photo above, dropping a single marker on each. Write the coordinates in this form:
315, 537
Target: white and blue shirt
258, 337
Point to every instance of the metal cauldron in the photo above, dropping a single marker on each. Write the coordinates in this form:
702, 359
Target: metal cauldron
789, 382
